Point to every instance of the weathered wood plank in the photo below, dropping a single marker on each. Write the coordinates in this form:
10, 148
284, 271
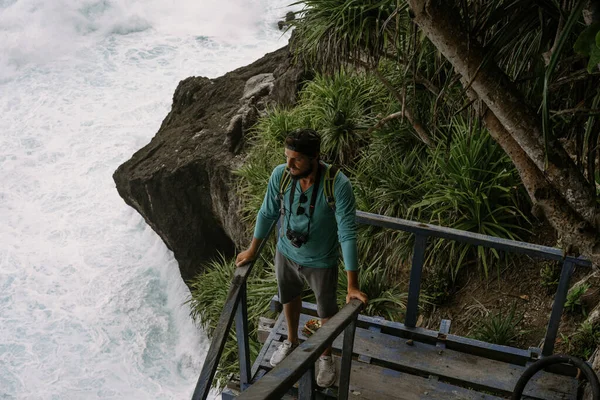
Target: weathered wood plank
451, 366
373, 382
465, 345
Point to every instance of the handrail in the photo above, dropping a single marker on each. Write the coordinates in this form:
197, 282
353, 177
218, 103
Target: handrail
281, 378
237, 290
477, 239
423, 231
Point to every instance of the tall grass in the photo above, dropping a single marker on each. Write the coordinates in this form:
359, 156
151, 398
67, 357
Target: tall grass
341, 108
472, 186
388, 179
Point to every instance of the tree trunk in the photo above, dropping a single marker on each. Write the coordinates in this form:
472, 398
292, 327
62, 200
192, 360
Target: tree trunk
591, 12
443, 26
543, 195
406, 112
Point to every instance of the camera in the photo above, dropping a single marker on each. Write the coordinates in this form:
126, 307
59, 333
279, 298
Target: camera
297, 239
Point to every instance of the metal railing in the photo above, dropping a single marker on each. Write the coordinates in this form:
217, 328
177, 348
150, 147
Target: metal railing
423, 231
234, 305
300, 364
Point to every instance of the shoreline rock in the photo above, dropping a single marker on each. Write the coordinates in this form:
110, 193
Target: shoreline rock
182, 182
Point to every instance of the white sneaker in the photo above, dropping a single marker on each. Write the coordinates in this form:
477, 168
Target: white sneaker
326, 376
282, 351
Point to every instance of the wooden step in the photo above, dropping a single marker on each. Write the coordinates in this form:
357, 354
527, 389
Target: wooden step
456, 368
373, 382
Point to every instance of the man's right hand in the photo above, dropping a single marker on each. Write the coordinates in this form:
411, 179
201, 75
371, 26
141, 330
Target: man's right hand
244, 257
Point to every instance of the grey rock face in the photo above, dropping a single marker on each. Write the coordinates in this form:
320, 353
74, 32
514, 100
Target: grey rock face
181, 182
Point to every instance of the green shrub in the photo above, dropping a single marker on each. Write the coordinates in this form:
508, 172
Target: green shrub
341, 109
272, 128
387, 180
500, 328
254, 177
331, 32
584, 341
436, 286
549, 274
386, 299
471, 186
573, 304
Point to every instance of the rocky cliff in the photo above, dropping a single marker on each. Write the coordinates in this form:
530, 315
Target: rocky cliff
181, 182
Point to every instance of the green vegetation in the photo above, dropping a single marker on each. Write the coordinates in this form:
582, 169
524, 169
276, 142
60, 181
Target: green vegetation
549, 274
471, 186
573, 304
584, 341
341, 108
500, 327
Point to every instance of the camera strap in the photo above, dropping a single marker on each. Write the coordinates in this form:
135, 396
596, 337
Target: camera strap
313, 198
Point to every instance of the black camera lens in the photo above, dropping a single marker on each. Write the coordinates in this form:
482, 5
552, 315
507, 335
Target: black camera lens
295, 238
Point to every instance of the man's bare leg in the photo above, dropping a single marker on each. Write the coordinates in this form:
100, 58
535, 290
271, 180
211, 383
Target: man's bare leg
292, 316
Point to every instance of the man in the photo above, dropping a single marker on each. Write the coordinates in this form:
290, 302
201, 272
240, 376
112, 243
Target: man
308, 244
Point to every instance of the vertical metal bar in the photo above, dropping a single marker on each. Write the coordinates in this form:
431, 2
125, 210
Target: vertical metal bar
306, 385
414, 287
346, 367
241, 333
217, 344
557, 307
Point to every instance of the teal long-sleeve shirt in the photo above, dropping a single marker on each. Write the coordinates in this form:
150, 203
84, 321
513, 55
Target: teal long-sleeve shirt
327, 227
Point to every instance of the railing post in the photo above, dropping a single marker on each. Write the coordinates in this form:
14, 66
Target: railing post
414, 287
241, 333
346, 368
306, 385
217, 344
557, 307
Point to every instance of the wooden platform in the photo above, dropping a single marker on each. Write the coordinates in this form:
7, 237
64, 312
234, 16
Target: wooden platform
393, 365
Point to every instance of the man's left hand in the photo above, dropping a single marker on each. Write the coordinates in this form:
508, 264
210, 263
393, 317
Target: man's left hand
354, 293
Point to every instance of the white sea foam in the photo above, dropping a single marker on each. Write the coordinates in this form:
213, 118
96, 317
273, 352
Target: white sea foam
91, 301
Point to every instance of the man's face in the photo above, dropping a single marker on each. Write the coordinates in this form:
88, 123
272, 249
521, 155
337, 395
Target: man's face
300, 165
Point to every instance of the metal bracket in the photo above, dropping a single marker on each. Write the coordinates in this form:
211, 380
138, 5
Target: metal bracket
443, 333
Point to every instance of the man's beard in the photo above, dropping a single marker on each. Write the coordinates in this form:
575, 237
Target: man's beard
304, 174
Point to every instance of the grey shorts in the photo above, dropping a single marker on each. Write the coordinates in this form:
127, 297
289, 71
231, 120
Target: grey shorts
322, 281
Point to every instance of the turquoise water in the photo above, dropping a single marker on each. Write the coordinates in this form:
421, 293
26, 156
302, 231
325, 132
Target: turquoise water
91, 300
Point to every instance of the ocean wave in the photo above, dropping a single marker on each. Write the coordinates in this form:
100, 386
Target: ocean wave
40, 31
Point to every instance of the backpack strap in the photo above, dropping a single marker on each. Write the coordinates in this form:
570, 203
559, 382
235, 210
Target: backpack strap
284, 183
328, 187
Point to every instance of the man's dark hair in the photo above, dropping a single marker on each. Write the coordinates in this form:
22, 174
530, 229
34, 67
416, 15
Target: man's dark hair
305, 141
